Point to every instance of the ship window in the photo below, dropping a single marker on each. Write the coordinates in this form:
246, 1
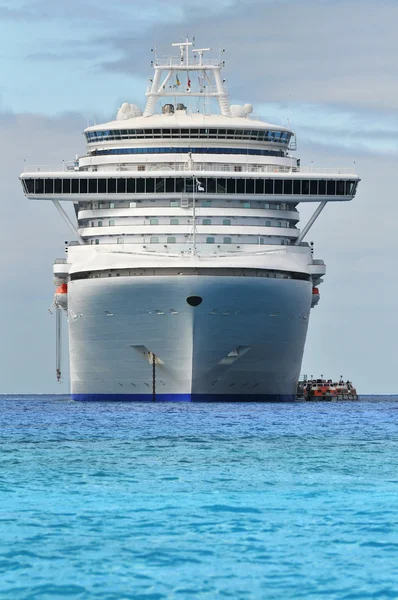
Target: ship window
246, 205
249, 186
211, 185
154, 240
174, 203
170, 185
160, 185
171, 240
120, 240
322, 187
57, 186
189, 186
154, 222
206, 203
179, 185
210, 240
92, 186
30, 185
131, 186
111, 205
305, 187
99, 223
75, 186
133, 204
237, 168
266, 205
269, 186
96, 240
111, 186
141, 168
231, 186
261, 241
240, 186
174, 221
92, 223
268, 223
221, 186
102, 186
121, 186
288, 187
313, 187
140, 186
111, 222
340, 188
206, 222
150, 186
49, 186
331, 188
259, 186
226, 222
278, 186
65, 186
297, 186
227, 240
83, 186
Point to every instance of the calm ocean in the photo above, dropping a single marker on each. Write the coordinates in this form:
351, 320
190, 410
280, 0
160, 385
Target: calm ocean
191, 501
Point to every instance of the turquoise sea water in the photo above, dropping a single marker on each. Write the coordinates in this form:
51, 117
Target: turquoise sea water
184, 501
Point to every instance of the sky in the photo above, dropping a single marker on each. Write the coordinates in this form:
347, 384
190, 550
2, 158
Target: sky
328, 67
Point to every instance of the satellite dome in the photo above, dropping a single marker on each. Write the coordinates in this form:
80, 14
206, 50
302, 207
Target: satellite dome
128, 111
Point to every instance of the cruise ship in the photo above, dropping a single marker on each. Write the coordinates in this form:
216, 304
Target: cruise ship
187, 278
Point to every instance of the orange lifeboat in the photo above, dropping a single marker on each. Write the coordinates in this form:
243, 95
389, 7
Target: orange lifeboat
315, 297
61, 296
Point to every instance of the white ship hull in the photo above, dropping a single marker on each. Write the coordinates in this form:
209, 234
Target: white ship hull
244, 342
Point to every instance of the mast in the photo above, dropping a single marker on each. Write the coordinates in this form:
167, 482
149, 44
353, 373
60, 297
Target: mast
210, 71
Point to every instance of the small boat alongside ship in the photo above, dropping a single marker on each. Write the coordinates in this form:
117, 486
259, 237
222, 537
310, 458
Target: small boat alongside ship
322, 389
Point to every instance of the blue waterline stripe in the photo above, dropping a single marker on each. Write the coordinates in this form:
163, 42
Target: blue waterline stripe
184, 397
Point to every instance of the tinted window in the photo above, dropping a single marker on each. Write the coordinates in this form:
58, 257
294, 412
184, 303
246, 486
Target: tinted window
92, 186
111, 186
240, 186
313, 187
331, 188
340, 188
57, 186
49, 186
160, 185
231, 186
305, 186
121, 186
288, 187
259, 186
296, 186
221, 186
102, 186
170, 187
269, 186
131, 186
140, 186
211, 185
249, 186
278, 186
65, 186
322, 187
150, 186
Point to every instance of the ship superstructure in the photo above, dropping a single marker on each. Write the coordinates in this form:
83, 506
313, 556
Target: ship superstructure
188, 278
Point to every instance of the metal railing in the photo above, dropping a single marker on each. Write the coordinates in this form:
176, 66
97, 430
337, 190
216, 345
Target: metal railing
70, 165
187, 167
